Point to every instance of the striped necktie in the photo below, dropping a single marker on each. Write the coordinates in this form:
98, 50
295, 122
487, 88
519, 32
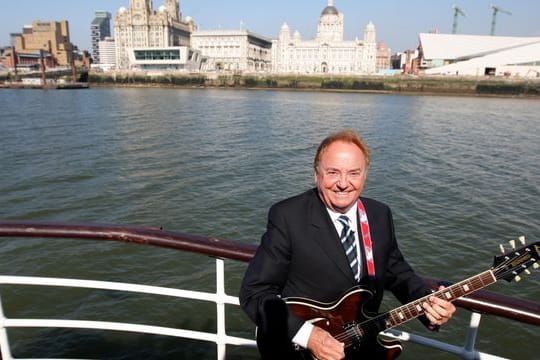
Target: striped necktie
347, 240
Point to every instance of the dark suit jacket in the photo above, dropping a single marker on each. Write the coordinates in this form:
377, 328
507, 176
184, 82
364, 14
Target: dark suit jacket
300, 255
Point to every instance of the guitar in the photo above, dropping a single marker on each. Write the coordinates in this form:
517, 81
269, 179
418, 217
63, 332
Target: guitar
345, 319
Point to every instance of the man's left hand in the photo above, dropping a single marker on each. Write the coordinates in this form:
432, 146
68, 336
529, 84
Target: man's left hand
438, 311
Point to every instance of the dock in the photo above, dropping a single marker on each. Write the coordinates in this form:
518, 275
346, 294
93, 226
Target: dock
48, 86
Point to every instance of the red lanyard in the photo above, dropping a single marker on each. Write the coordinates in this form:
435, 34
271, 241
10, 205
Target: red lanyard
366, 238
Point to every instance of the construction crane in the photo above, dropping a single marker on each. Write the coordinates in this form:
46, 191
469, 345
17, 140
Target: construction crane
457, 11
496, 9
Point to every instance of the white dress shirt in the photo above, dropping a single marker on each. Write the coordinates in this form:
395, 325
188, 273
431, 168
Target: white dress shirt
302, 336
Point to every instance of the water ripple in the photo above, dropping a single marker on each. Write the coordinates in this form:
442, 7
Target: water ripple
461, 175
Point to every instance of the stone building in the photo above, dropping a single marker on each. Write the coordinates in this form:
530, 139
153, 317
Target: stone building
383, 56
140, 26
49, 36
233, 50
328, 52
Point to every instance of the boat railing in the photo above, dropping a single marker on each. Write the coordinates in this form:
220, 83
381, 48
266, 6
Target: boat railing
480, 302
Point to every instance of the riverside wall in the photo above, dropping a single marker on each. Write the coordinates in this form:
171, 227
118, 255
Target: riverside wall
390, 84
402, 84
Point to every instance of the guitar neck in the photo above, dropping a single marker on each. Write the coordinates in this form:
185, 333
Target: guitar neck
414, 309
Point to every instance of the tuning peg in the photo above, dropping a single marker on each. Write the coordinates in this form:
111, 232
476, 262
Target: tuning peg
522, 239
517, 278
527, 272
536, 266
502, 248
512, 244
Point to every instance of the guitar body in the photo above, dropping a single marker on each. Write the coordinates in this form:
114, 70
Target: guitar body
347, 321
340, 319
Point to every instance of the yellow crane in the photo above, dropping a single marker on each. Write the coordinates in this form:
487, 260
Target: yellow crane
457, 11
496, 10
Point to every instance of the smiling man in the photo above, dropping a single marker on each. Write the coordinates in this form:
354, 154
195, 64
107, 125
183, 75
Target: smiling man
340, 171
320, 244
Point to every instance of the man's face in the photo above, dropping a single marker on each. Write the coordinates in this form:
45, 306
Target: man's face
340, 175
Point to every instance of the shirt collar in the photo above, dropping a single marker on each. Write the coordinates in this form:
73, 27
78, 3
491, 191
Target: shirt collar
351, 214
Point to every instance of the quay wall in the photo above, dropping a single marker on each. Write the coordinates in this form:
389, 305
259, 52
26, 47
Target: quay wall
391, 84
404, 84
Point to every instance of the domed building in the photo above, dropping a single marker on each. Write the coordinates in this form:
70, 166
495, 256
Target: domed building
140, 26
328, 52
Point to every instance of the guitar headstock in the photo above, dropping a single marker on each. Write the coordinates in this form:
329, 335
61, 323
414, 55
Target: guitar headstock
512, 263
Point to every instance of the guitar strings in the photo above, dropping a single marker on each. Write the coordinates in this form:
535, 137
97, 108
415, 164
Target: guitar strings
356, 332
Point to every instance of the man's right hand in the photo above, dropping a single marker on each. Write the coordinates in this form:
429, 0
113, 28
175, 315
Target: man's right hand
323, 346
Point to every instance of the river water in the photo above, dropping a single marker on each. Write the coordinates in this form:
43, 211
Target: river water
460, 173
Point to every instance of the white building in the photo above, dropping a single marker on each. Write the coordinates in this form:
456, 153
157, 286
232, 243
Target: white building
328, 52
140, 26
107, 51
475, 55
233, 50
165, 59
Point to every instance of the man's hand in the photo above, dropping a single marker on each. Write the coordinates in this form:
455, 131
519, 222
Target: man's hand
438, 311
323, 346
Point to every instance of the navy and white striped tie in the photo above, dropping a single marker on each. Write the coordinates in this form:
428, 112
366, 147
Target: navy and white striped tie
347, 240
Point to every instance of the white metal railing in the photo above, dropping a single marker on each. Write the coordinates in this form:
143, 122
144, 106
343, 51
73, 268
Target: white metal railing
466, 352
220, 298
495, 304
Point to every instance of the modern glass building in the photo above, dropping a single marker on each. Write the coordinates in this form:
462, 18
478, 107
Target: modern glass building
99, 30
166, 58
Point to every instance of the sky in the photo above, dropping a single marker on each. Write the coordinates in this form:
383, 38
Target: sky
397, 22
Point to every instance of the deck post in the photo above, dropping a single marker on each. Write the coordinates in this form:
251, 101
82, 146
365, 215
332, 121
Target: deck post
220, 306
5, 351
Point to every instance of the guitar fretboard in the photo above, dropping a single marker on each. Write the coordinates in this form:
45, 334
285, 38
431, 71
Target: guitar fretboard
414, 309
506, 266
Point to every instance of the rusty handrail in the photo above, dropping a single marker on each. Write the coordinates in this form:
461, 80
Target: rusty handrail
489, 302
482, 301
211, 246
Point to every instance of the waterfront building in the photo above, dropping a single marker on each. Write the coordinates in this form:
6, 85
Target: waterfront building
5, 59
409, 61
99, 30
27, 60
82, 59
233, 50
140, 26
170, 58
107, 54
383, 57
48, 36
328, 52
476, 55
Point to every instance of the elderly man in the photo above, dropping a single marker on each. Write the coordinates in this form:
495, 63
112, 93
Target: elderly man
320, 244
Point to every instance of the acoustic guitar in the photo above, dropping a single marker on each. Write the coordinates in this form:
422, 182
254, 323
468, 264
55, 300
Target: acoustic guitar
346, 321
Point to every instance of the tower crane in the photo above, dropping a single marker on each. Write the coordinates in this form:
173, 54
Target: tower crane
496, 9
457, 11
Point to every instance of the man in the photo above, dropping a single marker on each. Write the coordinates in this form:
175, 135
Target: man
310, 250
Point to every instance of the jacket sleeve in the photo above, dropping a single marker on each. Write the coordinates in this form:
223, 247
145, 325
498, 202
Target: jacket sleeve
265, 277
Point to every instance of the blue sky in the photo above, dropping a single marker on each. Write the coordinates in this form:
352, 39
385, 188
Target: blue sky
397, 22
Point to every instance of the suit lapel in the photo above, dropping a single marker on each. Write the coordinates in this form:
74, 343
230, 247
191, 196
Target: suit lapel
324, 235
